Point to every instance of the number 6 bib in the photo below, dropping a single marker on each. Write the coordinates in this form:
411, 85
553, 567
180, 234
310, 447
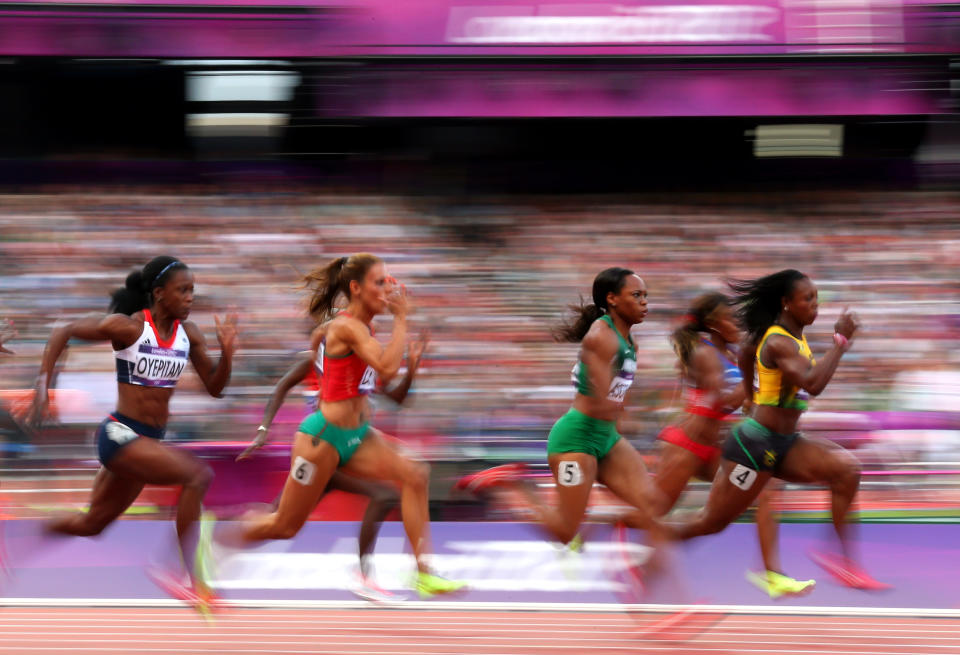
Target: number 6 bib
302, 471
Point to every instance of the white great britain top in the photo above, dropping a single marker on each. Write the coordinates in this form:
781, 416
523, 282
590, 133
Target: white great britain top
151, 362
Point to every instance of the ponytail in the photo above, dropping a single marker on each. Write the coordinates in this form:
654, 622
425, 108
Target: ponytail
686, 337
328, 282
131, 297
761, 300
574, 329
137, 292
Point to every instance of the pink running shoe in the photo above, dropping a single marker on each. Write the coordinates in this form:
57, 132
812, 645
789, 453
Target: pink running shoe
201, 598
628, 568
173, 585
847, 573
482, 480
364, 587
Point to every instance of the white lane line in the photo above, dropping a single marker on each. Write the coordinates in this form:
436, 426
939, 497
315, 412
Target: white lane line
888, 636
792, 610
236, 652
189, 617
454, 631
380, 650
580, 643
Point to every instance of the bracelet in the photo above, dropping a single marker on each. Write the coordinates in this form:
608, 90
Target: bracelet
841, 340
264, 428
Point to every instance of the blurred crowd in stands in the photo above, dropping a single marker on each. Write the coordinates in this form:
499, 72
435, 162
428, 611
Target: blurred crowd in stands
488, 277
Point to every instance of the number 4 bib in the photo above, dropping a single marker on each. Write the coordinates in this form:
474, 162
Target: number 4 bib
742, 477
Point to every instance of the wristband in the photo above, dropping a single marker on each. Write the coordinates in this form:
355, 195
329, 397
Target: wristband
841, 340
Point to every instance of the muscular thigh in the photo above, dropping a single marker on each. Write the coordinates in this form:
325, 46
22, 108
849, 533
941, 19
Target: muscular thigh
112, 495
343, 482
379, 458
311, 465
152, 462
574, 474
623, 472
675, 468
814, 460
734, 489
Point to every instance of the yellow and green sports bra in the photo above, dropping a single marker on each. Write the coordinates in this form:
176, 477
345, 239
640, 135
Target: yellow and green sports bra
768, 382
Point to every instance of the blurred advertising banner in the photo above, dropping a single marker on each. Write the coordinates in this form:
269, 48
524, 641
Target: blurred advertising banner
350, 28
630, 88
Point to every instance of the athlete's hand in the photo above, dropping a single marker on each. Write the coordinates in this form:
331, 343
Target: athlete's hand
7, 332
847, 324
227, 334
39, 410
397, 301
417, 349
255, 445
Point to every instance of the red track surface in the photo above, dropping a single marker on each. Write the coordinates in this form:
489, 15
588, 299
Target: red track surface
144, 631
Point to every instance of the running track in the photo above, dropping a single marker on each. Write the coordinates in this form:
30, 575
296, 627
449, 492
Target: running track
95, 631
90, 596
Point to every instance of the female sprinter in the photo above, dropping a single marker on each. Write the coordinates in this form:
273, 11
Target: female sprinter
339, 435
584, 445
382, 498
152, 341
775, 309
715, 390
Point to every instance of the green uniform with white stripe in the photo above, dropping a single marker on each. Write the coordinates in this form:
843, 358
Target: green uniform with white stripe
576, 432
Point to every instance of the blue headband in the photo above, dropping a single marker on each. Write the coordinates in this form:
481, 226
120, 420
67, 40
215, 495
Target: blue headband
165, 269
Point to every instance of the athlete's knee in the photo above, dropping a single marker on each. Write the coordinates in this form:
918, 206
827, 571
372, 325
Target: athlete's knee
286, 528
385, 497
708, 523
422, 471
287, 531
715, 525
659, 501
846, 472
200, 476
90, 524
416, 475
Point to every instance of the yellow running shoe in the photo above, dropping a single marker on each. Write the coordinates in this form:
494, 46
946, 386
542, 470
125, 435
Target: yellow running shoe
208, 601
204, 566
778, 585
429, 585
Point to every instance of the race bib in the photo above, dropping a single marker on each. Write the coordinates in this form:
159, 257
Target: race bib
368, 382
303, 471
618, 388
569, 474
743, 477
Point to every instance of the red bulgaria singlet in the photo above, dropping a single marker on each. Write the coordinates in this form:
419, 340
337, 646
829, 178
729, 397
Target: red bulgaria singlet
345, 376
